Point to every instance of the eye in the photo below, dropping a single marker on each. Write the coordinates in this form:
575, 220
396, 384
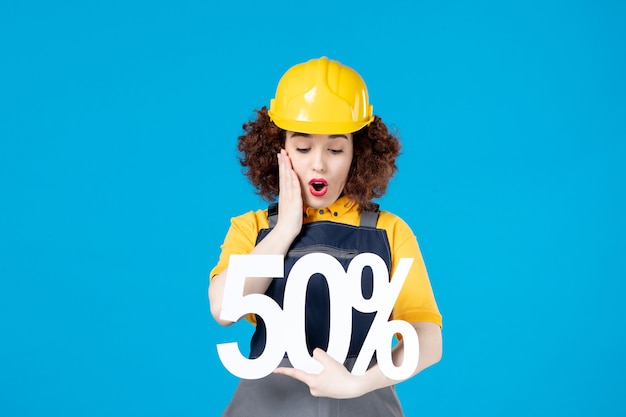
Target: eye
303, 150
335, 151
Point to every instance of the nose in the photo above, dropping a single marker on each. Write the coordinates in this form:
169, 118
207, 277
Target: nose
319, 161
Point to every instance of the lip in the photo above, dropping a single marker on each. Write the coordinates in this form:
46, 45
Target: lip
321, 192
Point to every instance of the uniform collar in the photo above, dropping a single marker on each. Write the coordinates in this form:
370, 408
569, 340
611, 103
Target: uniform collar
337, 209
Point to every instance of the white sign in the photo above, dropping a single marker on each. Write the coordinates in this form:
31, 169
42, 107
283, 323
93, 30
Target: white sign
285, 327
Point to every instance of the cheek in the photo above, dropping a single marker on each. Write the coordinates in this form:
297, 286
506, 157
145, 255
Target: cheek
297, 167
342, 173
347, 165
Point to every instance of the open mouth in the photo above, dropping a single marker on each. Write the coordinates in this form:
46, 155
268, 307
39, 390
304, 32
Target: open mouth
318, 187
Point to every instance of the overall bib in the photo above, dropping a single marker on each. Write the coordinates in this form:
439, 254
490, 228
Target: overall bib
282, 396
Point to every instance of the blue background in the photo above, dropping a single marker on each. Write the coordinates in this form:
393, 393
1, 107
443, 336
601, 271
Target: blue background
118, 176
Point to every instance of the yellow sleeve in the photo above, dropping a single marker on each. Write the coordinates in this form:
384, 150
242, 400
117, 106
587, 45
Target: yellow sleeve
416, 301
241, 237
240, 240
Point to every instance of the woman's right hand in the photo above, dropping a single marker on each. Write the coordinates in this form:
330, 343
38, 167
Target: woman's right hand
277, 242
289, 198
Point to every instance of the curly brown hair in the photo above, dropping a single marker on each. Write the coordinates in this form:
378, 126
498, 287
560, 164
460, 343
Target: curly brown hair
373, 164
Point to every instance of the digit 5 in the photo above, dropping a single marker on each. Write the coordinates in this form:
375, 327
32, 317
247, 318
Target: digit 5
235, 305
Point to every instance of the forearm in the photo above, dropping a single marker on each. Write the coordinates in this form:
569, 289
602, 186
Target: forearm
277, 242
430, 351
336, 382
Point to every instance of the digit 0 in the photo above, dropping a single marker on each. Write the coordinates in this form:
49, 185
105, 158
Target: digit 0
294, 309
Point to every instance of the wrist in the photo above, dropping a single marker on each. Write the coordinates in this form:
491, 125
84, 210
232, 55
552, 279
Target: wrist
285, 234
360, 386
372, 380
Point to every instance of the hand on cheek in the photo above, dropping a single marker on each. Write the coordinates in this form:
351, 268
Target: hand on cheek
290, 196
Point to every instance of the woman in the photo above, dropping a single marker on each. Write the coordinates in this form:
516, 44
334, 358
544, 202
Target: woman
323, 153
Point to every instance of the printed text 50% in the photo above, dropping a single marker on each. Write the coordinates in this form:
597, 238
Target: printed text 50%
285, 327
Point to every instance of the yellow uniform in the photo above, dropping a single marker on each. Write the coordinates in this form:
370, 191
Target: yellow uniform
416, 302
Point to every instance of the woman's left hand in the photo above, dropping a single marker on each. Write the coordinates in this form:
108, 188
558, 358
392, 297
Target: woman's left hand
335, 381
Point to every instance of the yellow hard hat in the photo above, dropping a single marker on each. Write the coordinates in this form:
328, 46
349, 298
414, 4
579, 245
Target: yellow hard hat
321, 96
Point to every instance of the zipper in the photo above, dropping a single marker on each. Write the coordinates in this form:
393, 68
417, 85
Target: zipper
329, 250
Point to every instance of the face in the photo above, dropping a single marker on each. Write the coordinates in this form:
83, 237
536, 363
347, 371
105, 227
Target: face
322, 164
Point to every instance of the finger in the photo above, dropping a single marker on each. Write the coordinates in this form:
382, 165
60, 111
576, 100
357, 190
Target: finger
322, 357
286, 157
281, 167
289, 184
294, 373
285, 174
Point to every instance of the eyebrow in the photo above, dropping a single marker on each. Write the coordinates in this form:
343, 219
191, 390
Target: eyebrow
306, 135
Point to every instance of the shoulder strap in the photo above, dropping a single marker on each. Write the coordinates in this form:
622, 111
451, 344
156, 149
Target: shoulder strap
369, 218
272, 215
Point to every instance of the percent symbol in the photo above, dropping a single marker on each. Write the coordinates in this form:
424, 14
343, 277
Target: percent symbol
381, 302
